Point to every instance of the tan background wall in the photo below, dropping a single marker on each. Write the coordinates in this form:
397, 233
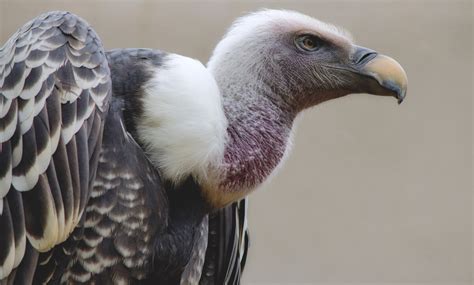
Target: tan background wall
373, 192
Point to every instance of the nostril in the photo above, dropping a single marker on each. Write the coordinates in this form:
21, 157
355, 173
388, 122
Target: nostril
362, 55
366, 57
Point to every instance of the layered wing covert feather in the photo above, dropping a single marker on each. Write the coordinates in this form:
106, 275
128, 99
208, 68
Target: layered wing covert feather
126, 211
54, 92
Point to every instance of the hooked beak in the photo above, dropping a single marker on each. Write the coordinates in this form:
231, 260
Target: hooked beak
380, 74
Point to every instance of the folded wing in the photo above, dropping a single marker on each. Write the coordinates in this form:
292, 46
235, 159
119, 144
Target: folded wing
228, 243
54, 92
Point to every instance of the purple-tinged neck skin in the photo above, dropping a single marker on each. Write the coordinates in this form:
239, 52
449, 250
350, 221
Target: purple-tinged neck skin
258, 134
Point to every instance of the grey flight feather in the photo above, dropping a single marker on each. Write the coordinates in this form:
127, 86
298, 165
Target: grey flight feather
228, 244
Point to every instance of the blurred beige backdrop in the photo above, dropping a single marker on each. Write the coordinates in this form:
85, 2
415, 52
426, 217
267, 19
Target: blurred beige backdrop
373, 192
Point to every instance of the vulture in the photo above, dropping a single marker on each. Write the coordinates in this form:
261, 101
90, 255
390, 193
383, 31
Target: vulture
132, 166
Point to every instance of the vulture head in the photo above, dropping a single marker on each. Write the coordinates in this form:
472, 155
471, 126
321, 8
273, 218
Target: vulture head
270, 66
302, 60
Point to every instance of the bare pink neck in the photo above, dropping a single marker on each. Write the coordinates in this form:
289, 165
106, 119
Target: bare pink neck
258, 135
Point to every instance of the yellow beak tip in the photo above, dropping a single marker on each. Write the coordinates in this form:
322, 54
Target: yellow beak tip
390, 74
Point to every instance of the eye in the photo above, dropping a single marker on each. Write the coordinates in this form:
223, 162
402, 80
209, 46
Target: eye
307, 42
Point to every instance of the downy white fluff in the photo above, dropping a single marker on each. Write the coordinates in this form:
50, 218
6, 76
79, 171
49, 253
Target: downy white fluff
184, 126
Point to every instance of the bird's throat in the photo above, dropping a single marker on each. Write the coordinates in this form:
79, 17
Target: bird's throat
258, 137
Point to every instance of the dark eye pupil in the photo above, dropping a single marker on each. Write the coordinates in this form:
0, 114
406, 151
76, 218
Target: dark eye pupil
309, 43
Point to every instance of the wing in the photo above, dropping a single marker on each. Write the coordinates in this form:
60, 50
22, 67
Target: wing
126, 211
228, 244
54, 92
193, 270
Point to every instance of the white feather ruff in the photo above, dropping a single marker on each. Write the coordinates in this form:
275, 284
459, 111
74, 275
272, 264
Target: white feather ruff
183, 126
